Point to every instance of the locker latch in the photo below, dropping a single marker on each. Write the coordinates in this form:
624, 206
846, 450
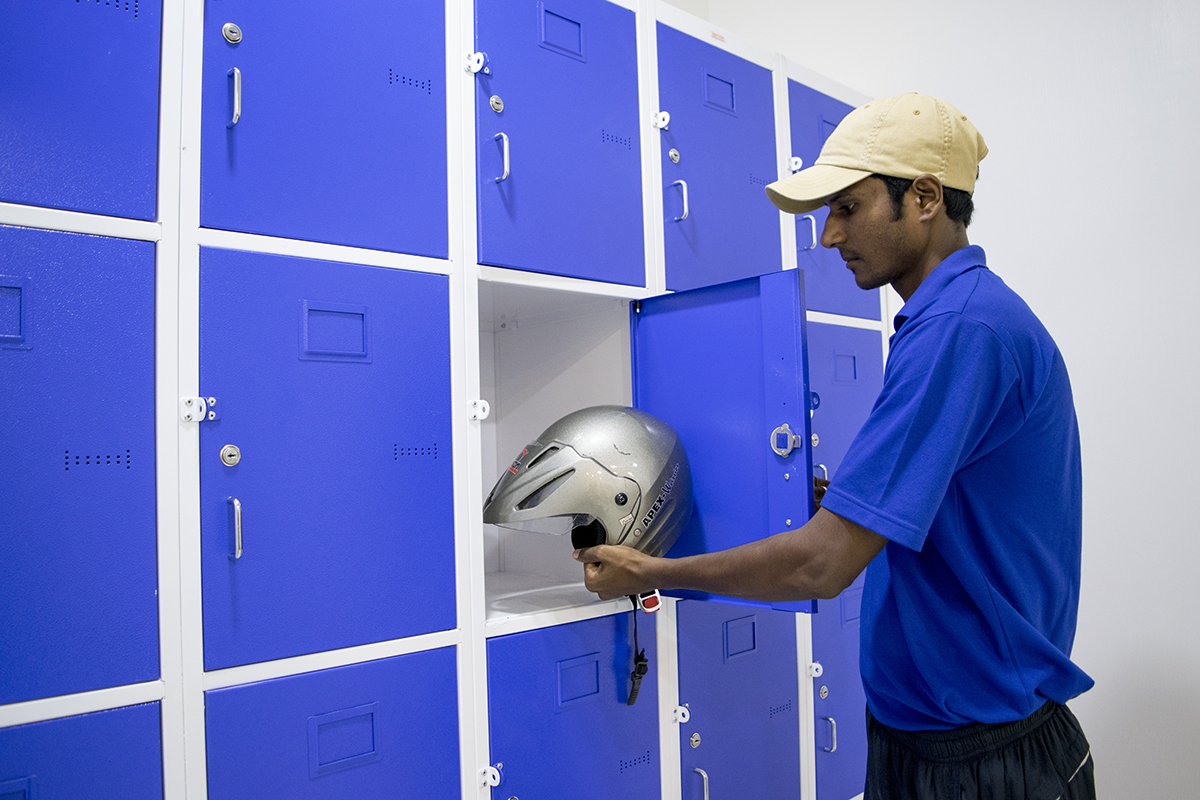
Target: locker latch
661, 120
198, 409
815, 670
784, 440
478, 62
490, 776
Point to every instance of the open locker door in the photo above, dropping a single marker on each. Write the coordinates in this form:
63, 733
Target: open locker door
726, 366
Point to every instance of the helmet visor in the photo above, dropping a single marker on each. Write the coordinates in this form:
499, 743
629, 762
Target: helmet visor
557, 526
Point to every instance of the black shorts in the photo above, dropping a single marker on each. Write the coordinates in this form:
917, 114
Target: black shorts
1043, 757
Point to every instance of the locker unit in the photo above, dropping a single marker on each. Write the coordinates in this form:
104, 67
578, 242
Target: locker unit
107, 754
558, 147
718, 155
370, 730
78, 572
79, 128
329, 523
329, 127
831, 287
318, 521
846, 369
559, 718
737, 677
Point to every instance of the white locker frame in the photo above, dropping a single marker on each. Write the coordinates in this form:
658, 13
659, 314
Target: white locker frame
179, 237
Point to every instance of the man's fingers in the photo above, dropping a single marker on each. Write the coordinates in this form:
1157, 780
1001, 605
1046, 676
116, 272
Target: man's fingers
587, 555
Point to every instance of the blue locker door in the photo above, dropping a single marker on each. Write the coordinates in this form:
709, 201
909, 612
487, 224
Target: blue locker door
380, 729
558, 714
723, 128
725, 366
564, 74
831, 287
333, 381
846, 368
79, 105
78, 548
108, 754
342, 132
738, 677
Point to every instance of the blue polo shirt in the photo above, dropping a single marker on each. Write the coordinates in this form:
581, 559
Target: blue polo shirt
969, 465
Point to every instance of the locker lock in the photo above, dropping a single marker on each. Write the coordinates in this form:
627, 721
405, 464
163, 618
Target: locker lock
784, 440
230, 455
231, 32
695, 740
674, 154
496, 103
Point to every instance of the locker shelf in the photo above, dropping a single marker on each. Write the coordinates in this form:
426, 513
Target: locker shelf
518, 601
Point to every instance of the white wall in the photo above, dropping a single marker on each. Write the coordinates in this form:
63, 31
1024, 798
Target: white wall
1086, 206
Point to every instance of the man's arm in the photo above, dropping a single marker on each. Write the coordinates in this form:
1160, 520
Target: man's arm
818, 560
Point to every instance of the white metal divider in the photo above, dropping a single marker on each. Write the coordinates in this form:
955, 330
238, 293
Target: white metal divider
783, 145
667, 641
808, 734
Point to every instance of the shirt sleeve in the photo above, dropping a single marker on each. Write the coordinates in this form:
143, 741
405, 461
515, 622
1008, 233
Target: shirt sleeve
948, 381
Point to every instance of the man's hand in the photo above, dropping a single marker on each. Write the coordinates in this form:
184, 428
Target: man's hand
612, 571
819, 487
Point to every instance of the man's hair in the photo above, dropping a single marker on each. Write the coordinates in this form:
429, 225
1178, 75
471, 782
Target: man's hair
959, 204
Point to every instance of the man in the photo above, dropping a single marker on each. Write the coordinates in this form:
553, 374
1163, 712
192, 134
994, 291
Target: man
962, 491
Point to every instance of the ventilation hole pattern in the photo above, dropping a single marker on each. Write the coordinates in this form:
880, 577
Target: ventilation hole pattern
605, 136
396, 79
783, 709
118, 460
760, 181
635, 762
119, 5
399, 452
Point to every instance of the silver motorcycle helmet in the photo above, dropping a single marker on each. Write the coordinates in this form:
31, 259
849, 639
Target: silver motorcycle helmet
605, 475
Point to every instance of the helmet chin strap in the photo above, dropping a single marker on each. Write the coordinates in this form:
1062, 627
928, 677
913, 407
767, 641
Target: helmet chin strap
649, 602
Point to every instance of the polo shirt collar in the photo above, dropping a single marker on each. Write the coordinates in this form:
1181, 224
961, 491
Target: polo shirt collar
951, 267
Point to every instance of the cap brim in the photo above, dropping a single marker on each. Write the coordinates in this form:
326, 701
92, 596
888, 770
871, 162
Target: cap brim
807, 189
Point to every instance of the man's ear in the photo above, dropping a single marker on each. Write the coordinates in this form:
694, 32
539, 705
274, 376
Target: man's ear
927, 192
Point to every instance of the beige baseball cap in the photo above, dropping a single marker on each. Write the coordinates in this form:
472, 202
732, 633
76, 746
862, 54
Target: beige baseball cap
902, 136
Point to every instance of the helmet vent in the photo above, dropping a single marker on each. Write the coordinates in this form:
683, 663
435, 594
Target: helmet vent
547, 489
551, 450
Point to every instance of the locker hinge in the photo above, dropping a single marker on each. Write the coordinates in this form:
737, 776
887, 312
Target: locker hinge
815, 670
661, 120
681, 714
198, 409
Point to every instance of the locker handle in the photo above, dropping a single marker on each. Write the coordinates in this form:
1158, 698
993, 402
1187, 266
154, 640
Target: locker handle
236, 74
685, 200
703, 775
236, 506
824, 471
833, 727
812, 221
503, 137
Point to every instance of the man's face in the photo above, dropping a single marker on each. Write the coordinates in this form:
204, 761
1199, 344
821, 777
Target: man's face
877, 248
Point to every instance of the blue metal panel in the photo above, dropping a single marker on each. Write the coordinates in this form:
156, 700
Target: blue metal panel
107, 754
380, 729
334, 382
566, 71
725, 366
846, 368
830, 285
79, 100
722, 111
558, 716
342, 134
78, 553
738, 677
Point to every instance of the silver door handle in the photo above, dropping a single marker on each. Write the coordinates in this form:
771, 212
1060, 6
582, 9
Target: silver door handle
704, 775
503, 137
236, 74
812, 221
833, 725
685, 200
824, 471
236, 505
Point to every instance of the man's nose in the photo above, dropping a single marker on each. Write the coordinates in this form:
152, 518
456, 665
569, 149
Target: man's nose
831, 234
